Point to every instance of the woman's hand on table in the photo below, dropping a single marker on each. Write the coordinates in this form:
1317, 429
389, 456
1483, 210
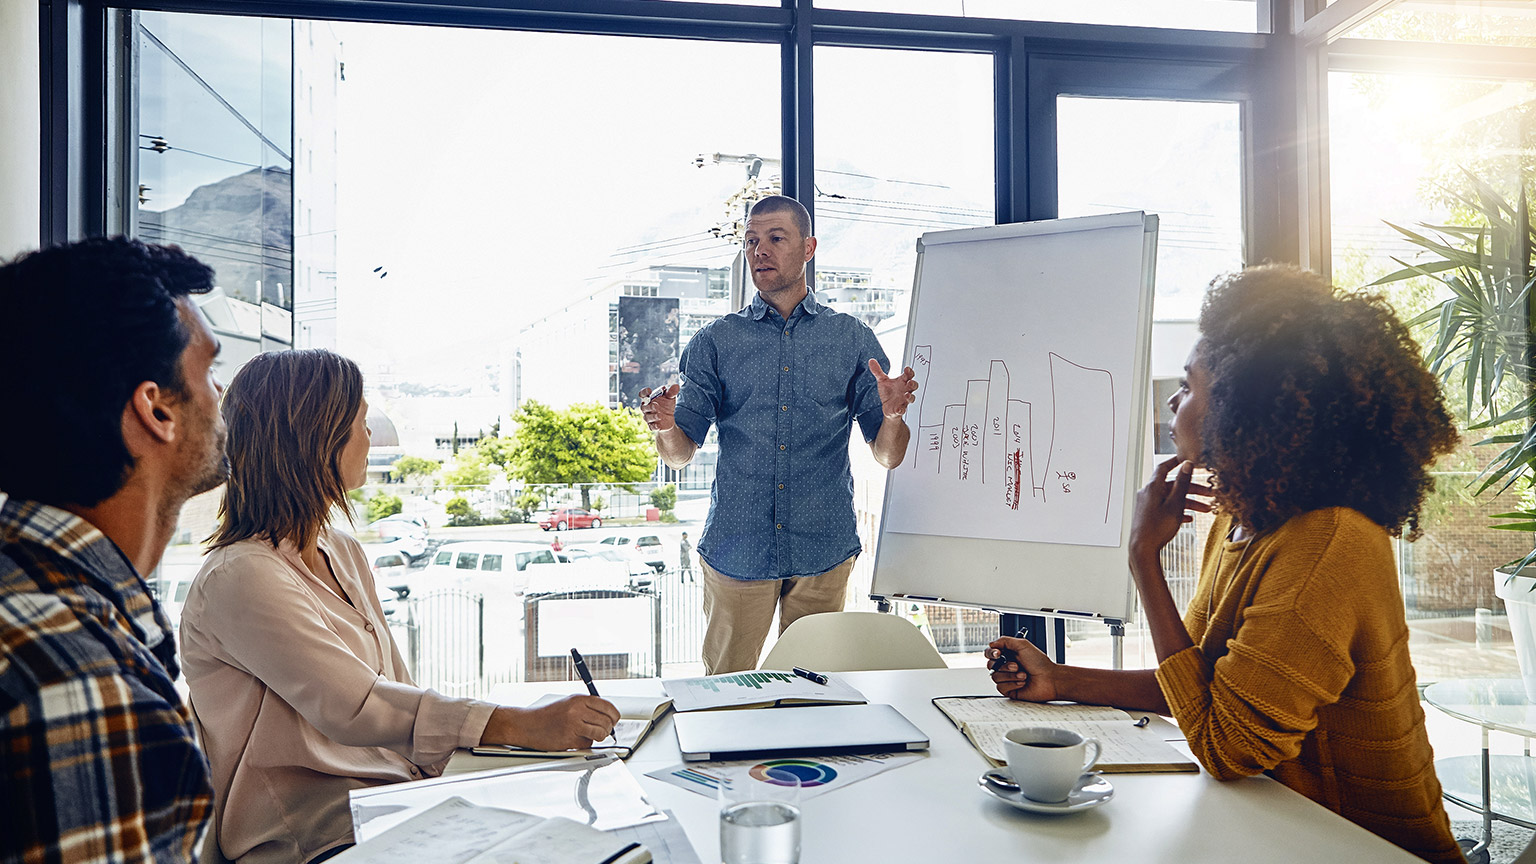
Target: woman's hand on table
1030, 678
572, 723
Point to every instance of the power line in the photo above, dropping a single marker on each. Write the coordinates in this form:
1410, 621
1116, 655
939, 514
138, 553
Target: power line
881, 179
887, 204
169, 148
214, 93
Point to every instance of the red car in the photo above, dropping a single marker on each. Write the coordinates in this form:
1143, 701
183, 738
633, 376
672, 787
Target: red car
562, 518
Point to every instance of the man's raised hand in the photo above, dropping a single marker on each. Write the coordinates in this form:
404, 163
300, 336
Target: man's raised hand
659, 410
895, 393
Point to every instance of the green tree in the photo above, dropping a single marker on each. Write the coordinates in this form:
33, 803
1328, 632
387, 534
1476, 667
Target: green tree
496, 451
528, 502
664, 498
460, 513
586, 443
384, 504
415, 466
470, 468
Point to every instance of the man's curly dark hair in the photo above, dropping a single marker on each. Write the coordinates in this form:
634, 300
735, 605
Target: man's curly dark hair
1316, 399
81, 326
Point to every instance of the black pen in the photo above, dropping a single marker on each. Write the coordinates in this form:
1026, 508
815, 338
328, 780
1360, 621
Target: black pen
586, 678
815, 677
1006, 656
581, 669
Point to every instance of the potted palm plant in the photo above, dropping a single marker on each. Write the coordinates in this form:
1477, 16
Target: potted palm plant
1482, 349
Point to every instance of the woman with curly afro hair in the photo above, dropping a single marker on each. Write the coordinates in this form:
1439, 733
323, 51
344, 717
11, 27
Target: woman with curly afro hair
1318, 423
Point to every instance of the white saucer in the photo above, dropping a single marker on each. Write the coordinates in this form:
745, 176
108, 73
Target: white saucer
1093, 791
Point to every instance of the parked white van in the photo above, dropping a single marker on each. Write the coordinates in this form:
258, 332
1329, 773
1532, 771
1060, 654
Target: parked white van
479, 565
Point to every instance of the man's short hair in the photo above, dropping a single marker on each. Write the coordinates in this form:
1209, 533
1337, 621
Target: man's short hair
81, 326
784, 204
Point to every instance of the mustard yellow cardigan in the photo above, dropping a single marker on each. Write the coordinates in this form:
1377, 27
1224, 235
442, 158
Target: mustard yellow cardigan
1300, 669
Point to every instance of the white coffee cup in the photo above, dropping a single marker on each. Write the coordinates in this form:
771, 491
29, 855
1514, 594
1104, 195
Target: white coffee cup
1047, 762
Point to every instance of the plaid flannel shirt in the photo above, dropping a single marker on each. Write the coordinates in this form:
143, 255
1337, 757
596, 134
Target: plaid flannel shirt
97, 749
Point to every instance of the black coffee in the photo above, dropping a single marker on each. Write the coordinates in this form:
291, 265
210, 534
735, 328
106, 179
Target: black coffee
1044, 744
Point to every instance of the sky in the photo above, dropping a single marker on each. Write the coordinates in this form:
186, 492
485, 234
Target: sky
499, 177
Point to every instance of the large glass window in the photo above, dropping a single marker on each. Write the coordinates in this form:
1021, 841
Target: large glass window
1232, 15
1474, 23
488, 219
1404, 150
215, 139
904, 145
1182, 161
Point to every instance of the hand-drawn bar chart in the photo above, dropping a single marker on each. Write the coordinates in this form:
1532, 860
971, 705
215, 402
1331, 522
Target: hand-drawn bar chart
989, 438
1055, 450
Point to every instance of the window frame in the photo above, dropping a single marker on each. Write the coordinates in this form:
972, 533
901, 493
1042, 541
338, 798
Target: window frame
80, 197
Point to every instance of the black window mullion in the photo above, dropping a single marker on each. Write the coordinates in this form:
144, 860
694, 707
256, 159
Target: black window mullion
1011, 92
799, 122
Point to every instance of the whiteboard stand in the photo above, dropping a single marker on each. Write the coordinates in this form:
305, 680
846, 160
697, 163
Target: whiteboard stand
1031, 343
1116, 643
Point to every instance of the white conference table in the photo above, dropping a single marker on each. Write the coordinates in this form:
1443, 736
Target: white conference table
932, 811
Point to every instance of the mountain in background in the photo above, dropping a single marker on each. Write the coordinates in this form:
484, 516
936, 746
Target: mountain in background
242, 226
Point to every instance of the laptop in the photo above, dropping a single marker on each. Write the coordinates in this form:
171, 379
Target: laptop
826, 729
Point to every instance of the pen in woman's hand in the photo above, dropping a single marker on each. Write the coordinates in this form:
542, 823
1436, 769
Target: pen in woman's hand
1005, 655
586, 678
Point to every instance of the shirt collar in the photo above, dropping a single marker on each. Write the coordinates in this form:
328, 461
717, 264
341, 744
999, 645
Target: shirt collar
82, 544
759, 307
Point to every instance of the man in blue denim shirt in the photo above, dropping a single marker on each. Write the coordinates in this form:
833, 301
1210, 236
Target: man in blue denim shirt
784, 379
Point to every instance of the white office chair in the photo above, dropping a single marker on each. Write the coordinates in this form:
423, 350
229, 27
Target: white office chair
852, 642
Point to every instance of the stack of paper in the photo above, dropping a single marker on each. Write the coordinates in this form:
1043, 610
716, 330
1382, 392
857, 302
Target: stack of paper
457, 832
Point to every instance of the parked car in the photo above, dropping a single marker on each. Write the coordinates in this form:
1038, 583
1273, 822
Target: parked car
390, 565
479, 564
645, 548
175, 581
640, 573
562, 518
582, 574
408, 533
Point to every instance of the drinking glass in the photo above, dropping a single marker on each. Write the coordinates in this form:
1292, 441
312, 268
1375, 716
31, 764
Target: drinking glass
760, 819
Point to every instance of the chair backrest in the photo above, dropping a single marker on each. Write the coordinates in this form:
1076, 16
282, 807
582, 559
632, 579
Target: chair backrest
852, 642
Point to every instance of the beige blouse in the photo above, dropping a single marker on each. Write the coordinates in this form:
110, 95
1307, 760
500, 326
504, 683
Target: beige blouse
302, 696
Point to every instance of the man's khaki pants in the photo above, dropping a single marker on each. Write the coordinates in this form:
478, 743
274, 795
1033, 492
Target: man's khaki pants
738, 612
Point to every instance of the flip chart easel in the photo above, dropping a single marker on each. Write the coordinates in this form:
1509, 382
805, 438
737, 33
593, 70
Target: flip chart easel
1031, 346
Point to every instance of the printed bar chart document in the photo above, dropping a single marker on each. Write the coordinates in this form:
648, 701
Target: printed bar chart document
1127, 748
763, 689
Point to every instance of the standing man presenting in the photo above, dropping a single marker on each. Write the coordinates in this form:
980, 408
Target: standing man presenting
784, 379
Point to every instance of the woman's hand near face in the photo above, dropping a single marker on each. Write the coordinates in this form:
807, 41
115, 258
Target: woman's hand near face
1162, 506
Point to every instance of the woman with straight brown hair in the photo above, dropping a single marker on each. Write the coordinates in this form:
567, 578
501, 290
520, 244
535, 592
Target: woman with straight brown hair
299, 690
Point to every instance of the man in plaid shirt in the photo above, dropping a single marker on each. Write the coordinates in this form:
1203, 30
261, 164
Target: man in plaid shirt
112, 422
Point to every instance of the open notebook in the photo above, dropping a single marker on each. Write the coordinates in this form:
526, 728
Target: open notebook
1127, 748
637, 717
